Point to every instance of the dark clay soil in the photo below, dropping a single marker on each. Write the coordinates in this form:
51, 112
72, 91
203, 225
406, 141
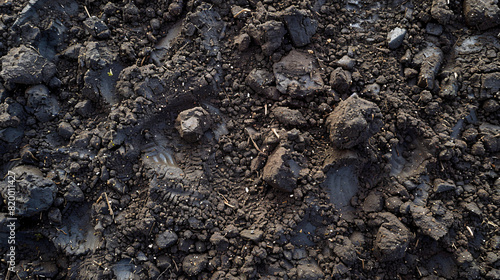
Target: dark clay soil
247, 139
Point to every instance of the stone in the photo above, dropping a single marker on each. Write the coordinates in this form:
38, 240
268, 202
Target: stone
392, 240
194, 264
289, 117
346, 62
277, 173
268, 35
481, 14
31, 191
297, 75
396, 37
25, 66
166, 239
192, 123
340, 80
300, 26
353, 122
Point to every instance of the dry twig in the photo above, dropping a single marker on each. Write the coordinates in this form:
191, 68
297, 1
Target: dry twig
255, 144
109, 206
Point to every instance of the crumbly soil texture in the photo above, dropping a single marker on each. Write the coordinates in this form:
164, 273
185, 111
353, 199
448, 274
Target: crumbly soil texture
249, 139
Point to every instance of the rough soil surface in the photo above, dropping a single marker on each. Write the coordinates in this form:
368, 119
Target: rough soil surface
246, 139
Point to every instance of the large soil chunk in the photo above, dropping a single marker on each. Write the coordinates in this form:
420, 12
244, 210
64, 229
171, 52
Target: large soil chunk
277, 173
194, 264
392, 238
482, 14
31, 192
433, 222
192, 123
11, 114
429, 60
140, 81
74, 193
25, 66
259, 80
300, 26
297, 75
97, 28
208, 23
440, 11
353, 122
345, 250
100, 70
340, 80
254, 235
309, 271
491, 137
12, 118
166, 239
220, 242
289, 117
268, 35
40, 103
490, 83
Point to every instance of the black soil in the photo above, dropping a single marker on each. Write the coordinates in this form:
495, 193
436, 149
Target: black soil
244, 139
